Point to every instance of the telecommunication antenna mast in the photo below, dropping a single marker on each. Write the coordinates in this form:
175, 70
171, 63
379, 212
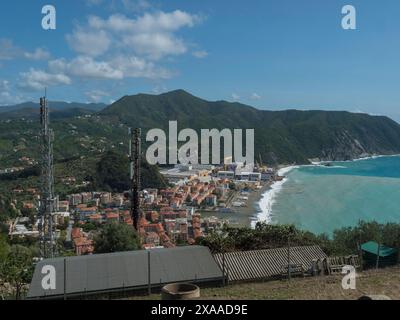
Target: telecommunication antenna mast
47, 200
134, 157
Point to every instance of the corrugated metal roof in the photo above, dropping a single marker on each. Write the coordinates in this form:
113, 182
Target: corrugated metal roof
263, 264
127, 270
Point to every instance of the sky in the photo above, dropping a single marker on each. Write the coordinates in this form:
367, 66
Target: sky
271, 54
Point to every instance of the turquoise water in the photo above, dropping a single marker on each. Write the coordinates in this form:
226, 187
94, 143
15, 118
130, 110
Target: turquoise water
322, 199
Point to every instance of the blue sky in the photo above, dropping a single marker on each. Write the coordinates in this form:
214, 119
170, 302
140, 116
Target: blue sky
272, 54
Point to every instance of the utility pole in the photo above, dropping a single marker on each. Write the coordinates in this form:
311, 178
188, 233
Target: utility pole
289, 266
378, 255
134, 157
47, 199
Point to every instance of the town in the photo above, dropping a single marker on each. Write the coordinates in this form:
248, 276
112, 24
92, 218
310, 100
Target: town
174, 216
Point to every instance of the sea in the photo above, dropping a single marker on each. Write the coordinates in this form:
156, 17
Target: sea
321, 198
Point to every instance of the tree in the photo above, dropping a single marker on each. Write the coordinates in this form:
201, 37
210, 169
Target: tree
17, 268
116, 237
4, 248
112, 174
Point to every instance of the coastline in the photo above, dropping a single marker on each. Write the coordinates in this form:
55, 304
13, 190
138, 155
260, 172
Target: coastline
268, 197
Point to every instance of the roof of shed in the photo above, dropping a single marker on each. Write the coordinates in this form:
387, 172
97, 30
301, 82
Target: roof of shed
105, 272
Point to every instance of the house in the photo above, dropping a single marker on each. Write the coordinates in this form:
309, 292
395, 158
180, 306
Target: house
63, 206
82, 245
152, 238
211, 201
84, 213
96, 218
112, 217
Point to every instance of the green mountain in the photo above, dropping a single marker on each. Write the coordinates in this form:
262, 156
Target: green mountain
281, 136
83, 137
55, 106
58, 110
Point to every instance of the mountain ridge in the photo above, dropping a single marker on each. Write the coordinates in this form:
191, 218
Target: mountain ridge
288, 136
281, 137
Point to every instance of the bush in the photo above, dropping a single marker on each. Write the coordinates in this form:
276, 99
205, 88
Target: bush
116, 238
345, 241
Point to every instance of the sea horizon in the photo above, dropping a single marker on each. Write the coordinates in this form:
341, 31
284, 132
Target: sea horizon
301, 198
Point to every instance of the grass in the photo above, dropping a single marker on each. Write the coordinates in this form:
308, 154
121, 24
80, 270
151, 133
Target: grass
381, 282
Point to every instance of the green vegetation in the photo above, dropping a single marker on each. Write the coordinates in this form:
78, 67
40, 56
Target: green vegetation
17, 269
344, 242
112, 174
280, 136
115, 237
4, 247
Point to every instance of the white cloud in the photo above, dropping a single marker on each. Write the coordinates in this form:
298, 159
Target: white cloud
155, 45
38, 54
200, 54
92, 43
38, 80
126, 5
235, 96
134, 67
5, 95
4, 85
86, 67
114, 48
151, 35
255, 96
96, 95
7, 50
117, 68
158, 89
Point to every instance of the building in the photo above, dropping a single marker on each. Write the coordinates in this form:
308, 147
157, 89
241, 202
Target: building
211, 200
75, 199
97, 275
63, 206
81, 243
226, 175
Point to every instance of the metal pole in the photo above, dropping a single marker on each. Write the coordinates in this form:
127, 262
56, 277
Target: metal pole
223, 268
289, 271
65, 278
149, 272
377, 256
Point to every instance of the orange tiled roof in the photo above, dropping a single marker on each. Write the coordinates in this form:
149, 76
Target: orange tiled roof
95, 217
76, 233
112, 216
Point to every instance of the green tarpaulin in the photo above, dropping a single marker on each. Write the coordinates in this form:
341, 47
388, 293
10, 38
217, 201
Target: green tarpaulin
372, 247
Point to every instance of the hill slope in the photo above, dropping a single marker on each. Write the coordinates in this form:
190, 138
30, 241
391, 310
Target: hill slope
281, 136
30, 110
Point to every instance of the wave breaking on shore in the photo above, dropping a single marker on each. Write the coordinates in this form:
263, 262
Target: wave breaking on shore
268, 198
